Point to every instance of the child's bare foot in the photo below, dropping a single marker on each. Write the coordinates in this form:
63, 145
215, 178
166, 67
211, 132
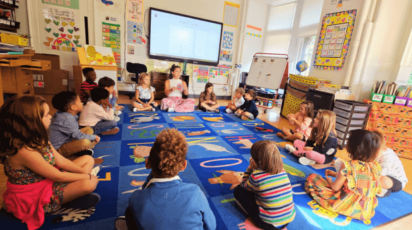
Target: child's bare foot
245, 118
280, 134
111, 131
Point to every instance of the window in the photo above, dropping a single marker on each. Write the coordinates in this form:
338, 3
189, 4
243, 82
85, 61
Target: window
306, 46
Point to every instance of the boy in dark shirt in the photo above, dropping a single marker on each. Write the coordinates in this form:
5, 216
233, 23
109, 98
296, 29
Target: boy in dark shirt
87, 85
248, 111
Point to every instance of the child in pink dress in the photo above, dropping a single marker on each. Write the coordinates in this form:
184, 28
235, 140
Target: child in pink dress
302, 121
174, 88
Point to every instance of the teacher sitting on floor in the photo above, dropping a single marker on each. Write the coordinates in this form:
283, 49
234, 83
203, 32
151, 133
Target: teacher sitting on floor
173, 89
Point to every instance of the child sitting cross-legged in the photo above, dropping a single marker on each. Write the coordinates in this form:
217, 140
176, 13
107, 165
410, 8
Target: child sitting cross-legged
393, 177
302, 121
88, 84
237, 101
322, 143
39, 179
144, 95
96, 115
248, 111
108, 84
353, 193
65, 135
165, 202
265, 193
207, 100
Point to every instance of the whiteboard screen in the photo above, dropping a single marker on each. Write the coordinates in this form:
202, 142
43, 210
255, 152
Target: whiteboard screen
266, 71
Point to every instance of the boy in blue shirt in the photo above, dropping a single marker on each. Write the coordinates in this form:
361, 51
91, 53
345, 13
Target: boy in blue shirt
248, 111
165, 202
64, 132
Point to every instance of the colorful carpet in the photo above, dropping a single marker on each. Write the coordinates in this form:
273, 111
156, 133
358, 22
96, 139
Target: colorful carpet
219, 152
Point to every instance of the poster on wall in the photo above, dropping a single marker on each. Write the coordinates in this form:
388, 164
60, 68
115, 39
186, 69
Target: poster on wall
61, 29
231, 14
111, 39
134, 32
202, 73
226, 55
334, 40
72, 4
227, 42
218, 76
99, 55
135, 10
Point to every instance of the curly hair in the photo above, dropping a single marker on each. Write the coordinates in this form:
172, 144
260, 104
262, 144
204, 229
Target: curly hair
21, 125
168, 154
106, 82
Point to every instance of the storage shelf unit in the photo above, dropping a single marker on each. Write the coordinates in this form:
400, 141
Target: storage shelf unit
350, 115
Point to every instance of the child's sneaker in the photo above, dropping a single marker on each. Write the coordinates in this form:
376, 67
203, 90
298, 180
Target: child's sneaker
229, 111
290, 148
306, 161
154, 109
111, 131
170, 110
135, 109
84, 202
116, 118
118, 112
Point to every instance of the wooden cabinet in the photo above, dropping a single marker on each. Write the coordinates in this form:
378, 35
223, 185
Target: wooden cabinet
158, 82
16, 73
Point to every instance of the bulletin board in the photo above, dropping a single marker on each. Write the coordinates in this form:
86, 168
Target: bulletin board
334, 40
267, 71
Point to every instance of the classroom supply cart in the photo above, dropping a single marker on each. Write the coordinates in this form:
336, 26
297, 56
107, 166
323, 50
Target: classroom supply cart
267, 71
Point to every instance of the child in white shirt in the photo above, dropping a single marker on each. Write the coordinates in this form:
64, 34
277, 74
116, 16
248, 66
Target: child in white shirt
96, 115
237, 101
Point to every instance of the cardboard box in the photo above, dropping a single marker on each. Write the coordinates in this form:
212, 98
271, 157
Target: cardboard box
54, 59
50, 81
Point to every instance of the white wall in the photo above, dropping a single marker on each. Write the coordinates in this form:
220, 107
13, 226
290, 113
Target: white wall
387, 44
338, 76
256, 16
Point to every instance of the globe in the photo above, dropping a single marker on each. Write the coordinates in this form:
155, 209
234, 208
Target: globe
302, 66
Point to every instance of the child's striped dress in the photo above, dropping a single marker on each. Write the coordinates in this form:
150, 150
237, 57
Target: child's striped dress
273, 193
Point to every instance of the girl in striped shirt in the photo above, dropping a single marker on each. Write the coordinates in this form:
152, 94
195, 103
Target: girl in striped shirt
265, 193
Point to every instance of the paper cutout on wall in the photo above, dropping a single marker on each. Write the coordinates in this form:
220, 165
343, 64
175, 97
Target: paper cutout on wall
111, 39
225, 66
130, 50
135, 10
339, 3
254, 28
99, 55
334, 40
134, 32
254, 35
60, 33
231, 14
227, 40
202, 73
73, 4
226, 55
218, 76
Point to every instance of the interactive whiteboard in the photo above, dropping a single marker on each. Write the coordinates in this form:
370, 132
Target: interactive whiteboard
267, 71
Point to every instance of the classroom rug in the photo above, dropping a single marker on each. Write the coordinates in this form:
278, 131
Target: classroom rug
219, 152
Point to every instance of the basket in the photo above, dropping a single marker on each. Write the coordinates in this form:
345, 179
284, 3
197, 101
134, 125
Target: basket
291, 104
303, 83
